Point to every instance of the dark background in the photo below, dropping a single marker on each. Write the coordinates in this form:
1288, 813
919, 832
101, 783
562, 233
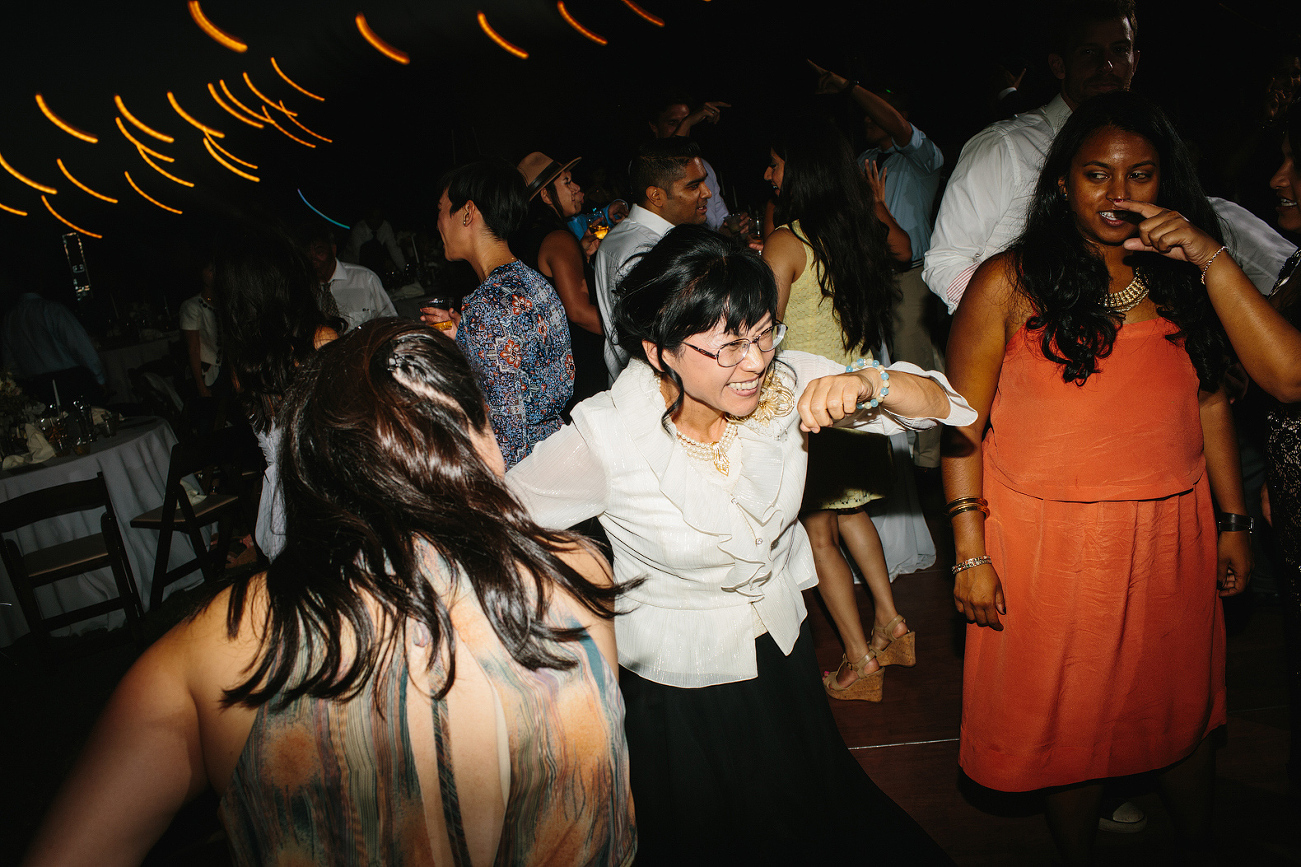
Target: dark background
396, 128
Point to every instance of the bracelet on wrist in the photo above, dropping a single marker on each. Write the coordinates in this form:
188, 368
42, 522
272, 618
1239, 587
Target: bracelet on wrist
967, 504
1210, 262
864, 364
1231, 523
971, 564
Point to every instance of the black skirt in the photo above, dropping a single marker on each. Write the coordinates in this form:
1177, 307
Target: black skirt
756, 772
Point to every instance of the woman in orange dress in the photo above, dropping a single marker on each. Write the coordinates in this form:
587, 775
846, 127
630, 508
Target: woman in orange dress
1088, 559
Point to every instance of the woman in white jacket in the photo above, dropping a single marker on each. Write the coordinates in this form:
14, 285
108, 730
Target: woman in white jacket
695, 465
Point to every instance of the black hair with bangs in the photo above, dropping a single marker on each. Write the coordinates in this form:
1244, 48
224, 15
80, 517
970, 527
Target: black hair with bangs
690, 281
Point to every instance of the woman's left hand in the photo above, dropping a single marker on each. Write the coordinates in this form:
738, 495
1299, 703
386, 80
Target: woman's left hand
1234, 569
1169, 233
829, 398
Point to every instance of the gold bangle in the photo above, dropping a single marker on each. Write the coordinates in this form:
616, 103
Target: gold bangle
961, 501
969, 507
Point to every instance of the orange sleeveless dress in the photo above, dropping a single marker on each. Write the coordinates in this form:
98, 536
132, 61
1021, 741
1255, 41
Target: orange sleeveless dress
1111, 660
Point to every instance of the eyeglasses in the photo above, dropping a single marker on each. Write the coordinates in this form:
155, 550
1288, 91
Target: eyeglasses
732, 354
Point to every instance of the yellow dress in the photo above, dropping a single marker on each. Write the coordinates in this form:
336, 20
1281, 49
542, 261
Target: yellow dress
847, 469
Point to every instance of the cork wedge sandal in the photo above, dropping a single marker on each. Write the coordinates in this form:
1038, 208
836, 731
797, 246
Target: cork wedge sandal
901, 650
866, 688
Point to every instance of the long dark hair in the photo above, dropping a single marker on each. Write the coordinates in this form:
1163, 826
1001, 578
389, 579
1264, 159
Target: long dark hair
824, 188
1065, 279
692, 279
268, 312
370, 472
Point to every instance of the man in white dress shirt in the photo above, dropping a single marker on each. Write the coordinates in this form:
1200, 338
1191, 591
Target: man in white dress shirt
357, 291
669, 176
674, 117
985, 204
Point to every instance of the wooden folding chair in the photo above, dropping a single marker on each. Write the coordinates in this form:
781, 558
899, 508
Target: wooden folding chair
218, 451
66, 559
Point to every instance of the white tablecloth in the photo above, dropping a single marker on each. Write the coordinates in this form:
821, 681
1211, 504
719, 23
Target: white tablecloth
117, 363
134, 464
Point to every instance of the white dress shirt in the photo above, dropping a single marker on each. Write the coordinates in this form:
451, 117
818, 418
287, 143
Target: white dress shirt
636, 233
198, 315
988, 196
987, 200
359, 294
722, 562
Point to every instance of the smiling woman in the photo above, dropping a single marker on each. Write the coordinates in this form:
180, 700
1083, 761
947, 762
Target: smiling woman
694, 463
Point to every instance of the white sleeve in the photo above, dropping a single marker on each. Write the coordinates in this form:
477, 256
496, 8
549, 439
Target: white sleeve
1259, 251
979, 193
715, 208
562, 482
808, 367
383, 303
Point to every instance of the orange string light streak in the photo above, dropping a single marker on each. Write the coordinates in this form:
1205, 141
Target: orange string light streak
379, 44
67, 174
295, 122
500, 40
171, 97
228, 153
569, 19
26, 180
67, 222
272, 121
140, 145
139, 124
225, 106
166, 174
266, 99
221, 36
231, 97
130, 181
63, 124
658, 22
295, 85
208, 143
4, 207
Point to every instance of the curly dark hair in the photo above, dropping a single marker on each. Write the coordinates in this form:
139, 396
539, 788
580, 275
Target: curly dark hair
1065, 279
372, 473
823, 187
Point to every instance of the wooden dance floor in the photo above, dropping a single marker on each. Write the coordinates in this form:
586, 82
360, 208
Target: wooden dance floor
908, 744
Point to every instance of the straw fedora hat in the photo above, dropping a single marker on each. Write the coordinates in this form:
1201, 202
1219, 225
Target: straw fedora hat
539, 170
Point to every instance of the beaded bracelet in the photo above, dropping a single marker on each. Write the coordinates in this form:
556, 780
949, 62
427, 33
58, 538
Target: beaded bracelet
863, 364
971, 564
1210, 262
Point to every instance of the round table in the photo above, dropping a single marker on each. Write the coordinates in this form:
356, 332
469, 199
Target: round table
134, 464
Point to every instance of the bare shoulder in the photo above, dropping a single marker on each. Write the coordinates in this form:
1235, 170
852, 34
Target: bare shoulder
783, 245
992, 294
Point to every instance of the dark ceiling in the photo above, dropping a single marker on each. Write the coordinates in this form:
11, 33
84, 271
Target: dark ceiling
395, 127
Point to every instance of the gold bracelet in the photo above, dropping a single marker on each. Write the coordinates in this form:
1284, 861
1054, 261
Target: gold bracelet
971, 564
970, 507
1210, 262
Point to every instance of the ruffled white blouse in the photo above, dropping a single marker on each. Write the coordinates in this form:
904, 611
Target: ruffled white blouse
714, 562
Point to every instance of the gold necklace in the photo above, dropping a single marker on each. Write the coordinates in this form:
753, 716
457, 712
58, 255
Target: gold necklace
1128, 298
715, 452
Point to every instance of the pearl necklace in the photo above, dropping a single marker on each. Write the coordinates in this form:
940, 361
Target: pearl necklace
715, 452
1128, 298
